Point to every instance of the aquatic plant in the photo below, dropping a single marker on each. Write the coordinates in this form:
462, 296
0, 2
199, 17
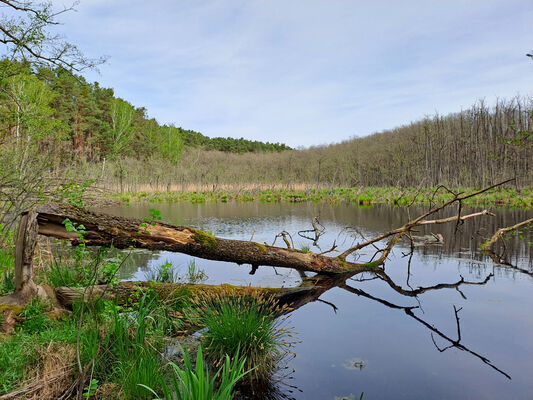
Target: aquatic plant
165, 273
194, 273
366, 196
248, 323
197, 383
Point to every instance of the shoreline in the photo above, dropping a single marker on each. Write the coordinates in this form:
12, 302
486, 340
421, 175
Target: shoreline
401, 197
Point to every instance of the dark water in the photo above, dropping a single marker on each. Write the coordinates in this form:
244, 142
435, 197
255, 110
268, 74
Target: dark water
359, 338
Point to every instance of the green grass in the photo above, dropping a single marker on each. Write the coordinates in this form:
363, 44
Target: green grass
364, 197
197, 383
165, 273
7, 260
7, 282
248, 324
305, 248
194, 273
82, 267
22, 352
7, 274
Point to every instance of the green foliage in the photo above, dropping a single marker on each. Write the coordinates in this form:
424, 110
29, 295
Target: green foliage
7, 282
16, 354
126, 353
35, 320
79, 229
197, 383
363, 197
194, 273
90, 390
7, 276
165, 273
81, 267
155, 215
249, 324
73, 193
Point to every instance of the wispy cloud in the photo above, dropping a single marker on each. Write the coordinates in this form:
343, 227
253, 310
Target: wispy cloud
306, 72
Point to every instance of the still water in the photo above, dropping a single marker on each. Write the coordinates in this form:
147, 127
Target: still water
360, 337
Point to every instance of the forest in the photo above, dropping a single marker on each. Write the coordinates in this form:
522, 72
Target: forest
83, 129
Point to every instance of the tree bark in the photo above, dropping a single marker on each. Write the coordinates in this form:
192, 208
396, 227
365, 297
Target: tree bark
25, 288
308, 291
107, 230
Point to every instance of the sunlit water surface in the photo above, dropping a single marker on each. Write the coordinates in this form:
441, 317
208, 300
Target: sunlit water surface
354, 343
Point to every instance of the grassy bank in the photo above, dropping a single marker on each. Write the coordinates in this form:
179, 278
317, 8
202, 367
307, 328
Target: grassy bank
501, 197
111, 349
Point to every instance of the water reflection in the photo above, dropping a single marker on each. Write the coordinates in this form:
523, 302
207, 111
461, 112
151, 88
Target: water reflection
445, 321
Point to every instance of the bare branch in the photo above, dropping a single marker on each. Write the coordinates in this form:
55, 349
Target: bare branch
488, 246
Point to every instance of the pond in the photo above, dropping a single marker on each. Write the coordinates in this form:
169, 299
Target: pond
360, 337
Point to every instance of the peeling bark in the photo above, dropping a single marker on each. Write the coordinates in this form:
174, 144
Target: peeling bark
106, 230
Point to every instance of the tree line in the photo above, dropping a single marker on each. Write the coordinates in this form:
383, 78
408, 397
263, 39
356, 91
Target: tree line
474, 147
82, 129
81, 120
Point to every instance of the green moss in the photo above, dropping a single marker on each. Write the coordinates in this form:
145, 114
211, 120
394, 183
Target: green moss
205, 239
262, 248
372, 264
14, 308
342, 262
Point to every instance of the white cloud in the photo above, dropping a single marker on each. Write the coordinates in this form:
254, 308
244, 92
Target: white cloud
305, 72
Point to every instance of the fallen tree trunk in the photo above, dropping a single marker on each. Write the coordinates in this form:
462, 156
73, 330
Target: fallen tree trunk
123, 292
107, 230
489, 245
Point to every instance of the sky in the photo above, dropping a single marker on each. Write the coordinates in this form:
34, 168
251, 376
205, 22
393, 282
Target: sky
305, 72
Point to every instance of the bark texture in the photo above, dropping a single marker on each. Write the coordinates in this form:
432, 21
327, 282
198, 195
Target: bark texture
106, 230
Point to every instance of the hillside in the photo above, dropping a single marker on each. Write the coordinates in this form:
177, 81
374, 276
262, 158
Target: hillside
81, 129
87, 121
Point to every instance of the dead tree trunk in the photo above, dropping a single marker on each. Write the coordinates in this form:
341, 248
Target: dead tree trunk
25, 288
123, 292
107, 230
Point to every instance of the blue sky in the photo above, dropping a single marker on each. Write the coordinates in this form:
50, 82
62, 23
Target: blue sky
305, 72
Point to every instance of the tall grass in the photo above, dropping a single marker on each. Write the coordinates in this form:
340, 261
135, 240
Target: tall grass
197, 383
194, 273
7, 260
165, 273
168, 273
7, 282
362, 196
121, 345
126, 349
7, 275
250, 324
